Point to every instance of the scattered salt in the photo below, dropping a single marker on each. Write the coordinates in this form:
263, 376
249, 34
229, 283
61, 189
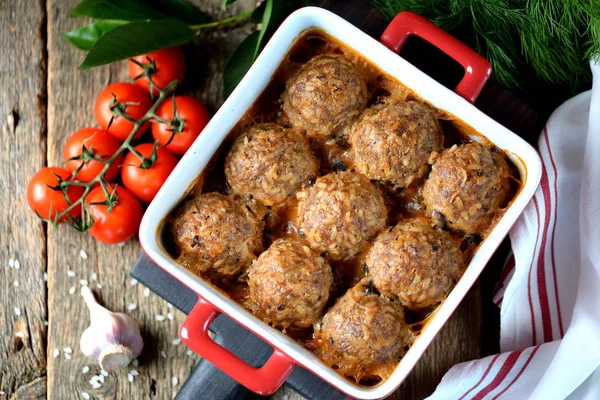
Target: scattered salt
67, 356
134, 372
45, 323
170, 316
96, 385
45, 276
121, 244
169, 305
132, 307
146, 292
163, 354
104, 373
83, 282
55, 353
16, 283
94, 276
17, 311
135, 363
72, 290
70, 273
83, 254
17, 264
160, 317
99, 286
68, 350
176, 342
189, 352
11, 263
19, 334
85, 370
130, 377
85, 395
134, 282
174, 381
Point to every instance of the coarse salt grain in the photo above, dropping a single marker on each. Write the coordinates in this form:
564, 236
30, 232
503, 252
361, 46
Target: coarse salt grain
135, 363
83, 282
45, 276
96, 385
19, 334
17, 311
94, 276
16, 283
99, 286
85, 370
121, 244
11, 262
174, 381
134, 372
189, 352
67, 356
160, 317
132, 307
163, 354
85, 395
146, 292
170, 316
68, 350
83, 254
101, 376
45, 323
134, 282
176, 342
104, 373
72, 290
169, 305
130, 377
55, 353
70, 273
17, 264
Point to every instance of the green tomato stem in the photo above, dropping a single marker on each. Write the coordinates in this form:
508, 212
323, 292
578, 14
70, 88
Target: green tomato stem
223, 22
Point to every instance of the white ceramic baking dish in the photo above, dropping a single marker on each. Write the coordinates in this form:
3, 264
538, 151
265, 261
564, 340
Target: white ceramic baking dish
287, 353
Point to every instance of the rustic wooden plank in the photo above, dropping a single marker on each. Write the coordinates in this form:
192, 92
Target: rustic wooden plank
22, 235
71, 97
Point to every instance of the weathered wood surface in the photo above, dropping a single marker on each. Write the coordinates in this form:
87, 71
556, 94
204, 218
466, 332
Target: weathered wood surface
43, 100
22, 236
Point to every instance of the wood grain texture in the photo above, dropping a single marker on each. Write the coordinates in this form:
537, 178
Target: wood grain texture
22, 235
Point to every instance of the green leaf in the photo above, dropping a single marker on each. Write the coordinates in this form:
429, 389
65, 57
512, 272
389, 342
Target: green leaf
264, 26
85, 38
135, 38
239, 63
128, 10
181, 9
226, 3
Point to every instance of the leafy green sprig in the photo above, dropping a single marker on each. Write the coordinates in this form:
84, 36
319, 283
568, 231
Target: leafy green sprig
553, 40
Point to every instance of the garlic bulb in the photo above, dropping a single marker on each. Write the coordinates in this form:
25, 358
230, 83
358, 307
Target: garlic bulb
112, 339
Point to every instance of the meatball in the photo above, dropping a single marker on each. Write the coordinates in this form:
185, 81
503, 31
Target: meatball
290, 284
340, 212
415, 263
466, 186
395, 142
216, 235
270, 163
325, 96
364, 328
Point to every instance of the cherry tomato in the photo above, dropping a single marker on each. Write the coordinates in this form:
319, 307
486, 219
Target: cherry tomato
134, 103
191, 113
97, 142
166, 65
47, 202
118, 224
144, 183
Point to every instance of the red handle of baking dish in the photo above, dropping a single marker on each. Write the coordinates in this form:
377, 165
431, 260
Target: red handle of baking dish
477, 68
264, 380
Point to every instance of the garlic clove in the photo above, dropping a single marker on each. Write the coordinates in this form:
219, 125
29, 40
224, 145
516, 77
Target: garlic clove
113, 339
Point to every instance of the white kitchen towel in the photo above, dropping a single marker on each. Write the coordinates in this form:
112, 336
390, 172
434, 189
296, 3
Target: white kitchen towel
549, 290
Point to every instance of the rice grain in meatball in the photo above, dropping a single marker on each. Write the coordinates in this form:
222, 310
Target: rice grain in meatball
364, 328
290, 284
216, 235
325, 96
340, 213
466, 186
395, 142
270, 163
415, 263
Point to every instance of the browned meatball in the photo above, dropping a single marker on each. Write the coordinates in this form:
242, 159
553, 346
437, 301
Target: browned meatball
270, 163
466, 186
395, 142
290, 284
415, 263
364, 328
216, 235
340, 213
325, 96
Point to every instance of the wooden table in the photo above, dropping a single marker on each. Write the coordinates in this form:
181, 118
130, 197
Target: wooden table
44, 98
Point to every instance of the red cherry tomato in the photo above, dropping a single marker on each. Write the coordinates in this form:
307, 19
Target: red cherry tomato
191, 113
118, 224
47, 202
144, 183
165, 65
134, 103
97, 142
